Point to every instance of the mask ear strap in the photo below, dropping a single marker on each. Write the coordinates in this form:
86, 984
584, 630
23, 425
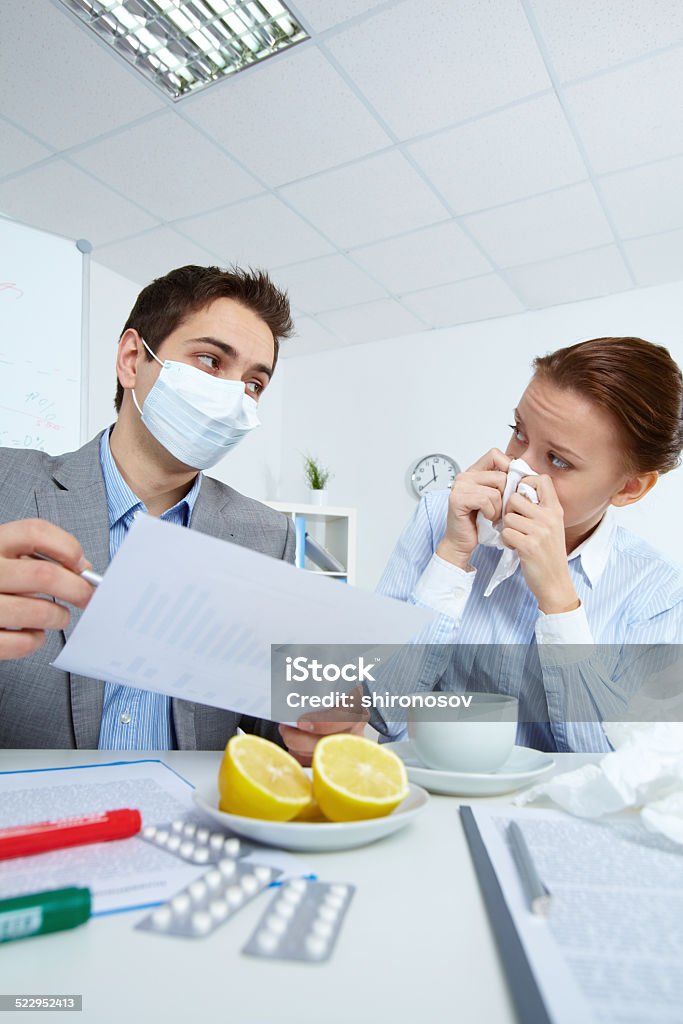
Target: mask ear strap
153, 355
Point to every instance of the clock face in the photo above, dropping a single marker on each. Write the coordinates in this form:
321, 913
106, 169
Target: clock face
434, 473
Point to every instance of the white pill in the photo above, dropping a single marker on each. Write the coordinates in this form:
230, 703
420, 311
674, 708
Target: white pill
231, 847
263, 874
285, 910
250, 884
181, 903
276, 925
227, 868
201, 856
216, 841
315, 945
201, 922
267, 941
291, 896
218, 910
336, 902
161, 918
149, 831
189, 829
197, 889
296, 885
202, 835
186, 848
173, 844
177, 825
328, 913
234, 895
339, 890
162, 837
213, 879
322, 928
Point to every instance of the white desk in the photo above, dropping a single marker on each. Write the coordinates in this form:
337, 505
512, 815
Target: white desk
416, 946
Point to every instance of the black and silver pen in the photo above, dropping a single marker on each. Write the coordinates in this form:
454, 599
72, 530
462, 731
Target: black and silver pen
89, 575
537, 893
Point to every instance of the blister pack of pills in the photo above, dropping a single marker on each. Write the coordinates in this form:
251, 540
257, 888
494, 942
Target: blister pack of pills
302, 921
195, 843
210, 900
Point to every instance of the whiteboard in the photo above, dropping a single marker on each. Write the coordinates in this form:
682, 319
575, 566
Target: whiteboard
41, 330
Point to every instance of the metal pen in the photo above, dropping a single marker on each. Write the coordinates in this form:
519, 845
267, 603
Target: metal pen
538, 895
89, 575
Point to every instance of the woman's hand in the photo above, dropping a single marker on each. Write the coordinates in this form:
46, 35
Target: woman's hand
479, 489
536, 533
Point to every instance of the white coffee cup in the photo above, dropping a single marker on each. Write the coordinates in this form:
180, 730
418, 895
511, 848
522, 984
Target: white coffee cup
477, 736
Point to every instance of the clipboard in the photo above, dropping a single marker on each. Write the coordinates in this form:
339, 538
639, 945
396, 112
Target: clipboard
524, 989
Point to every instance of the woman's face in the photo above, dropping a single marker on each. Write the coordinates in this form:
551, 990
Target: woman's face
576, 443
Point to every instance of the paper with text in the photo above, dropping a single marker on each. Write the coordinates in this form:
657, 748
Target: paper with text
185, 614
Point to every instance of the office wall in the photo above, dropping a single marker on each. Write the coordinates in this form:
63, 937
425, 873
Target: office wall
370, 411
253, 467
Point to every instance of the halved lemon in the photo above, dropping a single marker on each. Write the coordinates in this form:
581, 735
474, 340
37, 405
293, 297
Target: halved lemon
354, 778
258, 779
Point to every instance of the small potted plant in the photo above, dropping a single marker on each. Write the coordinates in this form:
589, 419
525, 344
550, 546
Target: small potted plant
316, 478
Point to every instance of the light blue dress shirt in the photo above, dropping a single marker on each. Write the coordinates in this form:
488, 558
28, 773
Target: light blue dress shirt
135, 719
576, 669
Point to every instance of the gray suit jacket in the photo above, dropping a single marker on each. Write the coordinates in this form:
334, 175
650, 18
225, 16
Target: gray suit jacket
43, 707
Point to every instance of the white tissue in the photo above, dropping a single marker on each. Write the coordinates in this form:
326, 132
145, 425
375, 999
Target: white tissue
644, 771
488, 533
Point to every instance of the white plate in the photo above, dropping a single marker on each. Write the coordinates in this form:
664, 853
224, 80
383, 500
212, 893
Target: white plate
318, 836
523, 766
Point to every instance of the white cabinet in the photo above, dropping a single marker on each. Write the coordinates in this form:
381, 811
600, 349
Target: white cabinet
330, 528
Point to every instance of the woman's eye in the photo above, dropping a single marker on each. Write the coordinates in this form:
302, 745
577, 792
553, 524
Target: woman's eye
210, 361
557, 462
516, 432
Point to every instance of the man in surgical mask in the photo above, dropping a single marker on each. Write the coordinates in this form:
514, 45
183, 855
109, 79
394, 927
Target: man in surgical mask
197, 351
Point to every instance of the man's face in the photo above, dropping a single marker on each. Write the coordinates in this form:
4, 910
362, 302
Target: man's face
572, 440
225, 340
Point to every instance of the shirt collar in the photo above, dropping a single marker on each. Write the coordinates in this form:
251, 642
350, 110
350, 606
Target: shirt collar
121, 501
595, 550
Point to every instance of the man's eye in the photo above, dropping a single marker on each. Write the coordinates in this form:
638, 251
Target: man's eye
255, 387
209, 361
557, 462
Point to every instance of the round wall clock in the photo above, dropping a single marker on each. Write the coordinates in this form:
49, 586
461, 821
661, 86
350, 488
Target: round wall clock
433, 473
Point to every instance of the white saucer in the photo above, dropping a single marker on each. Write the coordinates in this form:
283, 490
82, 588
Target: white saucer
523, 766
317, 836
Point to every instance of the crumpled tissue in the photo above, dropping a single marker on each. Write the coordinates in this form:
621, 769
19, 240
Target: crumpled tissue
488, 533
645, 770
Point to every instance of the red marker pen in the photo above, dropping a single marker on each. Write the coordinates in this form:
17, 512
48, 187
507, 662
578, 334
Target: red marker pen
25, 840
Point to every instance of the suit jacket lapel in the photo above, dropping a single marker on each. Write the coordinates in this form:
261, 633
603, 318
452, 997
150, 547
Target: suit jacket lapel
75, 499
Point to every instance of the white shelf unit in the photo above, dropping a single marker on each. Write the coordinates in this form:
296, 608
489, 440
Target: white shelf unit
332, 527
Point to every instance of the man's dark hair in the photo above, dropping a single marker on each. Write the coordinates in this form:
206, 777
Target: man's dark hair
166, 302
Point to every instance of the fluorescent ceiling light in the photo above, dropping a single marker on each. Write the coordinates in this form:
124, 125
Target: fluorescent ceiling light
185, 45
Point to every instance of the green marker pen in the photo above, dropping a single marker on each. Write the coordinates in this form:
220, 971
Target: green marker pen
41, 912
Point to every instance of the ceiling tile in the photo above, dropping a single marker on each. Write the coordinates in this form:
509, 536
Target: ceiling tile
60, 83
309, 337
647, 199
631, 115
515, 153
656, 259
553, 224
464, 302
373, 199
582, 275
18, 150
58, 197
430, 256
261, 232
429, 66
585, 36
319, 15
196, 175
327, 283
370, 322
288, 118
152, 255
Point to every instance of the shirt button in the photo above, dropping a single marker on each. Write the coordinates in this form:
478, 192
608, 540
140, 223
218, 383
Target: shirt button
125, 718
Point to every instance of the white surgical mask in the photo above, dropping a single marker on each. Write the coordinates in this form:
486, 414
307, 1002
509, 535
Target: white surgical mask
196, 417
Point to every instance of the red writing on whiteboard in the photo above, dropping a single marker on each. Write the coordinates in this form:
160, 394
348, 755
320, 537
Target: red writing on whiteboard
10, 286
